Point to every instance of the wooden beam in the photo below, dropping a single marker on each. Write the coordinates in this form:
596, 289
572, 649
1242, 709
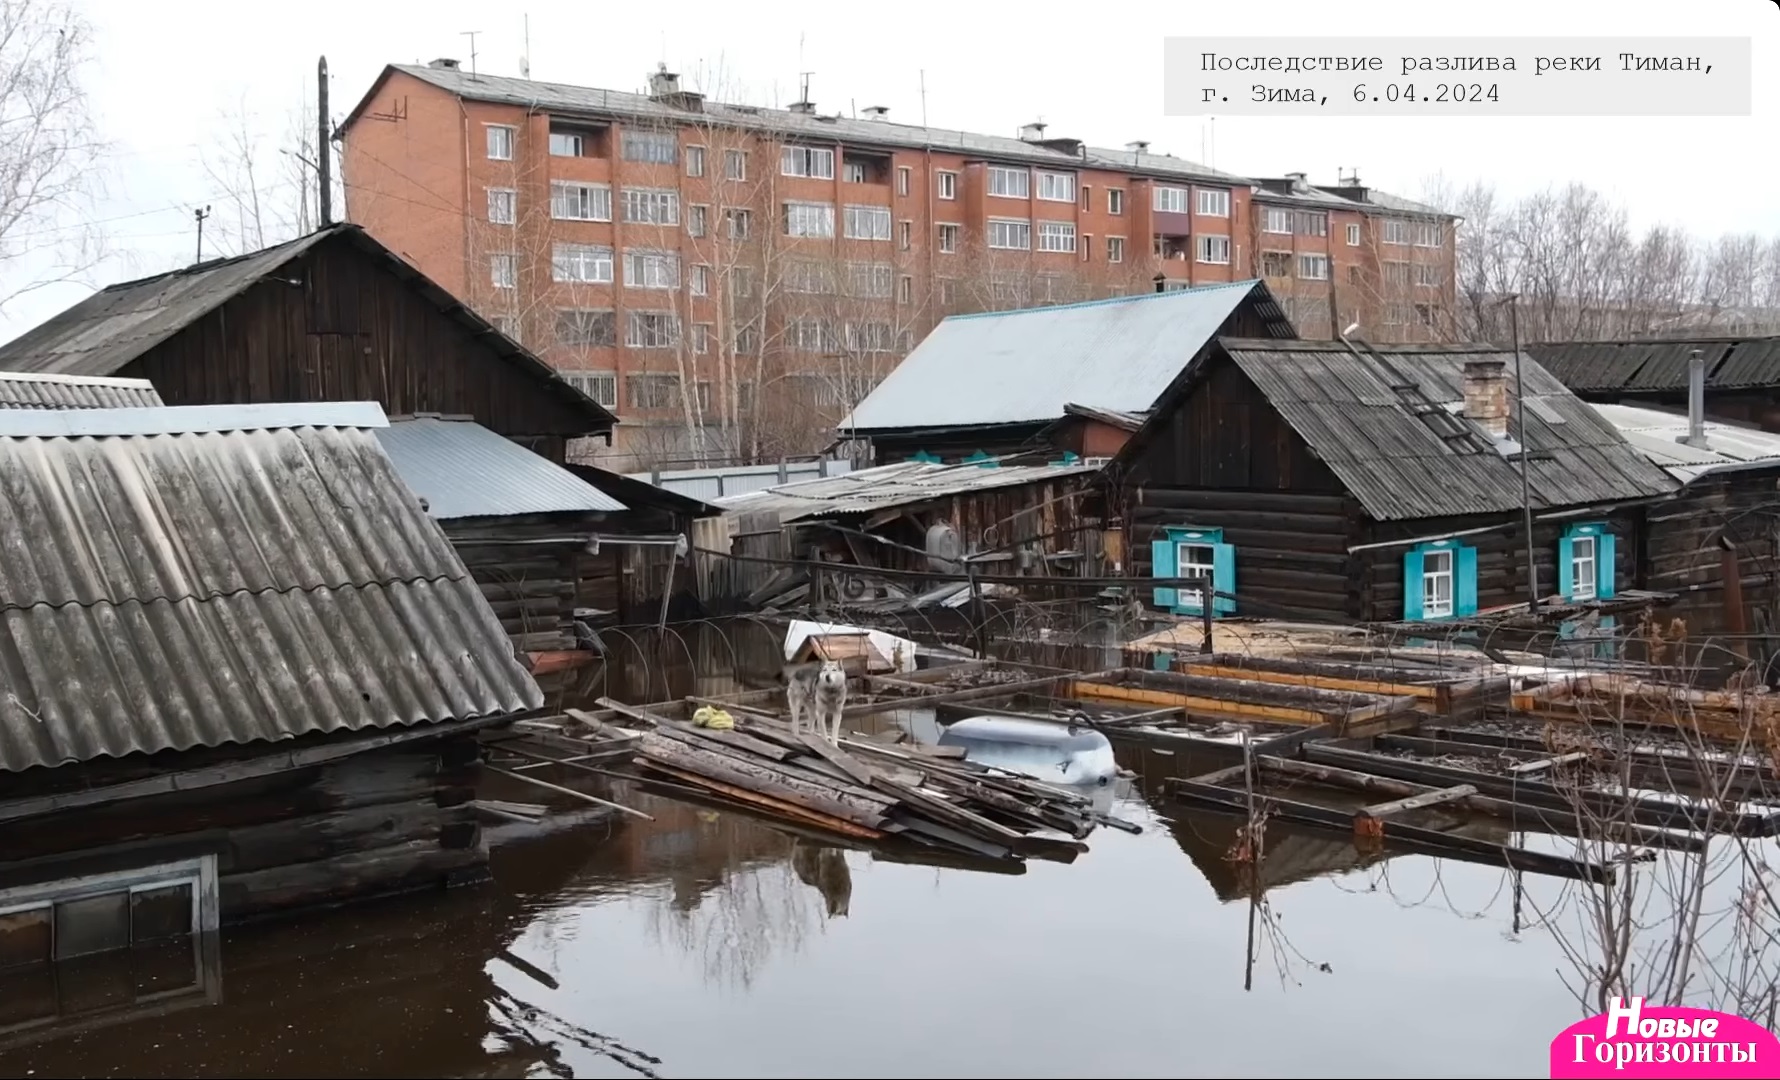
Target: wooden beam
1314, 682
1543, 764
568, 791
1202, 705
1417, 802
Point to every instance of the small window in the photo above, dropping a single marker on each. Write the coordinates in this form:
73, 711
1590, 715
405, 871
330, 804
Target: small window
1313, 267
696, 220
503, 206
1115, 249
903, 174
1214, 249
739, 223
905, 235
1437, 584
735, 165
695, 161
71, 917
1439, 581
500, 142
503, 271
1171, 200
1056, 186
1353, 236
905, 289
1211, 202
946, 184
1187, 551
1585, 562
948, 239
1115, 200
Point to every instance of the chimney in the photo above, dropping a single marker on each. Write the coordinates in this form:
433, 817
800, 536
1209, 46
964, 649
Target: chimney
1297, 179
1696, 400
663, 83
1138, 147
1486, 396
1032, 132
804, 108
877, 112
443, 62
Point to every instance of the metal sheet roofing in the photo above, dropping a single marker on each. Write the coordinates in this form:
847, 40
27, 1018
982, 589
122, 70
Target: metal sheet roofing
1025, 366
887, 486
1657, 435
1409, 454
1652, 366
251, 580
464, 470
35, 390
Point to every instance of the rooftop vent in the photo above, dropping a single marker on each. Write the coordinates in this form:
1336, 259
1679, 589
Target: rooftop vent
1032, 132
663, 82
1297, 180
443, 62
877, 112
1138, 147
804, 108
1486, 396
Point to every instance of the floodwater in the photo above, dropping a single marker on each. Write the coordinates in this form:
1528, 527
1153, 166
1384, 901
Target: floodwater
690, 946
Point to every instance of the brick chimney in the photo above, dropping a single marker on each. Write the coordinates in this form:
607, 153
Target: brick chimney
1486, 396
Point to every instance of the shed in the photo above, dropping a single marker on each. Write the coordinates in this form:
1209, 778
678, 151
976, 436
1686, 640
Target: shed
991, 383
331, 316
244, 674
1337, 482
1742, 374
638, 552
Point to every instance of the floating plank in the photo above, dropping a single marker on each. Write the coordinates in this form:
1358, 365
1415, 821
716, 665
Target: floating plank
1543, 764
569, 791
1417, 802
767, 802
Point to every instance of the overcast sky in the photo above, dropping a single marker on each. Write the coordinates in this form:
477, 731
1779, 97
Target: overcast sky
166, 70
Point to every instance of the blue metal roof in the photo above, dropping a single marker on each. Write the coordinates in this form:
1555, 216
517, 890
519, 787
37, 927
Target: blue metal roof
464, 470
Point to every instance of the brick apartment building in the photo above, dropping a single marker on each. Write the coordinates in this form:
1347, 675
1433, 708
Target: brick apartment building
779, 262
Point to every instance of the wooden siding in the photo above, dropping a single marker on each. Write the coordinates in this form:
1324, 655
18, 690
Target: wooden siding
353, 331
528, 569
954, 445
1683, 555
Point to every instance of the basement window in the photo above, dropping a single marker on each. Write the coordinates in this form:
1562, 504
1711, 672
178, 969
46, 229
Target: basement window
1439, 581
1189, 551
58, 920
1585, 559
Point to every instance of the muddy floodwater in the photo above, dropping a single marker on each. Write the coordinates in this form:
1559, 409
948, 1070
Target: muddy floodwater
707, 945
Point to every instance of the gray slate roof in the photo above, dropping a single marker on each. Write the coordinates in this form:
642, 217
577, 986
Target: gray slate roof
1025, 366
1657, 435
464, 470
1392, 460
107, 331
33, 390
1661, 366
181, 577
902, 484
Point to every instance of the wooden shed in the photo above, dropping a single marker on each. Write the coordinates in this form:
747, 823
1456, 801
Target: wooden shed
1741, 381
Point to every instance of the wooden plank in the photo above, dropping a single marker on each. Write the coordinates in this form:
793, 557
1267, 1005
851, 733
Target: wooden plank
947, 810
847, 763
852, 712
1206, 706
595, 799
1292, 740
765, 802
1417, 802
1315, 682
1544, 764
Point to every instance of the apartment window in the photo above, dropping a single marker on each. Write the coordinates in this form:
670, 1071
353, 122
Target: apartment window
567, 144
1010, 183
905, 289
810, 161
1429, 274
1396, 231
904, 176
587, 264
868, 223
905, 235
500, 142
503, 271
747, 343
1171, 200
651, 270
580, 202
1427, 314
870, 337
812, 335
1087, 198
1056, 236
1087, 246
653, 391
586, 329
701, 280
1396, 273
1115, 249
1056, 186
696, 220
695, 161
503, 205
1211, 202
735, 165
1585, 559
1276, 220
1355, 276
1439, 581
651, 206
601, 386
809, 219
741, 282
1115, 200
740, 223
650, 147
1189, 551
948, 239
809, 276
1010, 234
1353, 236
59, 920
1313, 223
1426, 234
870, 281
1398, 314
1214, 249
701, 338
947, 184
1276, 264
948, 292
1313, 267
651, 330
853, 172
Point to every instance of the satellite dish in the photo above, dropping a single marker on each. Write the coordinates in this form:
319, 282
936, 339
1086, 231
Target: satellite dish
945, 552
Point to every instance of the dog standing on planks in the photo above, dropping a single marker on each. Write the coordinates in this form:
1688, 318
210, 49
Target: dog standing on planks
817, 692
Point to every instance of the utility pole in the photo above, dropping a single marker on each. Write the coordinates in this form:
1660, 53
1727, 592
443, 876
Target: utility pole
471, 34
324, 146
200, 215
1526, 499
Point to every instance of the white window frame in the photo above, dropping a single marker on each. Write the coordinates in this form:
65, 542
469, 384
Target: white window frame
1584, 586
947, 240
812, 219
1438, 565
512, 137
738, 222
1058, 236
1056, 186
702, 333
1001, 233
655, 139
1277, 220
498, 198
1168, 199
904, 178
1353, 235
1006, 182
651, 206
633, 321
1395, 231
591, 384
567, 259
570, 138
1115, 249
1317, 264
868, 223
651, 268
507, 259
695, 160
699, 284
698, 219
1211, 202
812, 162
946, 184
198, 872
1115, 201
1427, 234
1429, 275
870, 280
1207, 245
571, 313
1186, 566
568, 194
735, 165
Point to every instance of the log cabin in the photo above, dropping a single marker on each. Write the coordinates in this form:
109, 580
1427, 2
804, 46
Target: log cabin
1332, 482
331, 316
1000, 383
244, 674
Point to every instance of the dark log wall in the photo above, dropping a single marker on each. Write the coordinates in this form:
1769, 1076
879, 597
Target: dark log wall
955, 446
528, 568
380, 822
1684, 557
353, 332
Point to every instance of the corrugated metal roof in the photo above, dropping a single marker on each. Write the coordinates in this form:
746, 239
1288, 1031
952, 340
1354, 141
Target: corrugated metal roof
1348, 409
1657, 436
1661, 366
715, 484
464, 470
886, 486
232, 585
1012, 367
36, 390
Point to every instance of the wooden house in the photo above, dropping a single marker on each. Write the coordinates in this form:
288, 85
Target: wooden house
245, 673
1741, 375
35, 390
331, 316
1001, 382
638, 559
1323, 481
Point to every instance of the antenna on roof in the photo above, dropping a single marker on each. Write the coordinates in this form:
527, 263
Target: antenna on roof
923, 97
525, 55
471, 34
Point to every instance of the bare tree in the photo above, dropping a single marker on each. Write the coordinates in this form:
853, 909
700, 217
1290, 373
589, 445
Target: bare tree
50, 151
266, 176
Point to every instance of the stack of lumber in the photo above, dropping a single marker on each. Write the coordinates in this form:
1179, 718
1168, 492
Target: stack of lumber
1726, 715
868, 790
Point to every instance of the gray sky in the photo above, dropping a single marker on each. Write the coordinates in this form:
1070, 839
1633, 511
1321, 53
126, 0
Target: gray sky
166, 71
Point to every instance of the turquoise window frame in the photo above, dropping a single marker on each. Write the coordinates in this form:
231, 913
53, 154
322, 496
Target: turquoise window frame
1164, 562
1464, 580
1606, 550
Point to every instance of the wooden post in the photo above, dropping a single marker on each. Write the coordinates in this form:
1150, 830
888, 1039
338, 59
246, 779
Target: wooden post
1206, 600
1734, 624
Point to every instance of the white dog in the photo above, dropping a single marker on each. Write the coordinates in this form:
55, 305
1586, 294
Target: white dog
817, 692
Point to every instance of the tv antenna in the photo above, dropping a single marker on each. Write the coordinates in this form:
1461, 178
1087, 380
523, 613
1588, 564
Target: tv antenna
525, 55
471, 34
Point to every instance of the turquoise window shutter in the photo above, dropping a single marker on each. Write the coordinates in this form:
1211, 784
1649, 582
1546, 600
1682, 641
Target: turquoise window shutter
1464, 588
925, 458
1162, 565
1566, 565
1161, 661
1223, 578
1412, 585
1604, 566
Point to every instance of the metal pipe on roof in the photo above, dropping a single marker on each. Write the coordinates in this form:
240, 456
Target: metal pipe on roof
1696, 400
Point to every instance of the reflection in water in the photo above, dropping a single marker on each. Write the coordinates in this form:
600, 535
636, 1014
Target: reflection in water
824, 868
